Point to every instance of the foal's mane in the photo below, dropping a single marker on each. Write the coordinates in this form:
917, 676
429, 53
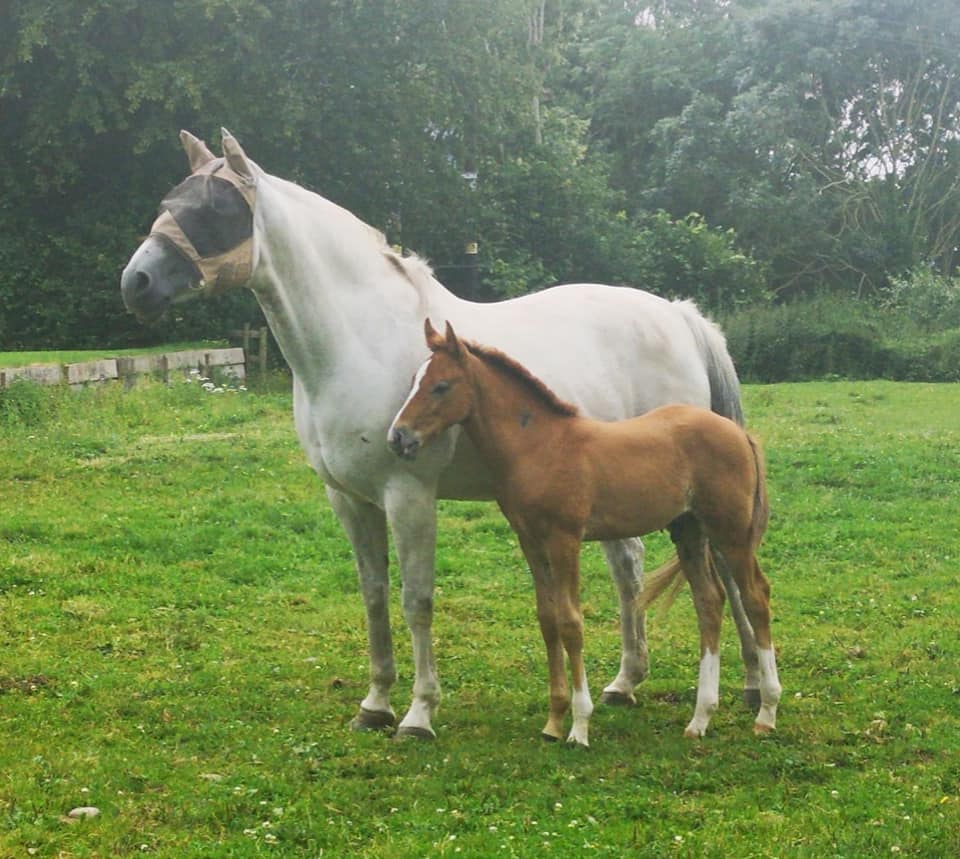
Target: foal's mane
517, 371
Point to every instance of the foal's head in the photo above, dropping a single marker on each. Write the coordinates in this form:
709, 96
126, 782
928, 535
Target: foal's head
441, 395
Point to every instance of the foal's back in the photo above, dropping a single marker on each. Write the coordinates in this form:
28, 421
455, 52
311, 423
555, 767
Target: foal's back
641, 473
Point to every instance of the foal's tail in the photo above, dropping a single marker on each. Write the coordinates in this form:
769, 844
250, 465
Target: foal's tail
667, 579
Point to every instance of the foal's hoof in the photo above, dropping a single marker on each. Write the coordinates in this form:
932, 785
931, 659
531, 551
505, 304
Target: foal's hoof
417, 733
549, 738
616, 698
374, 720
751, 697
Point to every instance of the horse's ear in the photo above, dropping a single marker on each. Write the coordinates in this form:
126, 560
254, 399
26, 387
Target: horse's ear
434, 340
196, 149
453, 342
236, 157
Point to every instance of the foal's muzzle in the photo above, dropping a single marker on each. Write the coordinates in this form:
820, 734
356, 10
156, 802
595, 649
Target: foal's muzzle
404, 443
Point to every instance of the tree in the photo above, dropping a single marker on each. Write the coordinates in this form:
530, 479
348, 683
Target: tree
825, 133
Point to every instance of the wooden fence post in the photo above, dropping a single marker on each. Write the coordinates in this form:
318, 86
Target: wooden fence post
246, 340
263, 354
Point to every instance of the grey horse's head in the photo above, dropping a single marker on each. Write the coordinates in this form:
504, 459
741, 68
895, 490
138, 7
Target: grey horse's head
202, 239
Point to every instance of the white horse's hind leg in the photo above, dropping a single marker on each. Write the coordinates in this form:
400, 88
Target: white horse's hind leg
366, 528
748, 642
625, 559
412, 515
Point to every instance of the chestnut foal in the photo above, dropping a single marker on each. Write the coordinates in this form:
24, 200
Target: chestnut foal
561, 478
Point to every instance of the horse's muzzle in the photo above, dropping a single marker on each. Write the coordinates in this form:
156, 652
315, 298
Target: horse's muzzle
404, 443
155, 276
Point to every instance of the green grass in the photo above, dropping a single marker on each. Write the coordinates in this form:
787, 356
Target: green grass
183, 647
23, 359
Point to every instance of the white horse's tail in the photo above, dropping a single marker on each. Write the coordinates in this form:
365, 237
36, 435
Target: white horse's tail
724, 384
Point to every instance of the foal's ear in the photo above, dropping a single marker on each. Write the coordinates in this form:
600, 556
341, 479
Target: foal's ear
434, 340
453, 342
236, 157
196, 149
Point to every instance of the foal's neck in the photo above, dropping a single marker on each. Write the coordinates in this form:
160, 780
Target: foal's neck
508, 420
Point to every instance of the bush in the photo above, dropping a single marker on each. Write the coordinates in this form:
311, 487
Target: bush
928, 299
831, 336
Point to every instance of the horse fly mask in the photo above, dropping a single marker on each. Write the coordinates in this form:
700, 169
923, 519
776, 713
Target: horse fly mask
209, 219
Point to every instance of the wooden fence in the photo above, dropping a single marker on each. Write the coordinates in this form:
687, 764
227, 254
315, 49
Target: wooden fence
227, 363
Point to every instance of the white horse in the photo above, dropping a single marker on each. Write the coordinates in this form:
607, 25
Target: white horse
348, 314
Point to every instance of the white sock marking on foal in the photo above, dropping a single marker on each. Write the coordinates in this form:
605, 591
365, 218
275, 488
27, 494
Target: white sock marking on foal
582, 706
769, 688
708, 695
417, 380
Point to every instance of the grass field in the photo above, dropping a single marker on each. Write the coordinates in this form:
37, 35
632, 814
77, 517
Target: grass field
183, 648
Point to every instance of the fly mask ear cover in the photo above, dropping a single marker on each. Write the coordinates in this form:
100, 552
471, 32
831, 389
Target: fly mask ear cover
220, 241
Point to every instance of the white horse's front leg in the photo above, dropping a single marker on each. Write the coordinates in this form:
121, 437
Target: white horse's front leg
366, 527
625, 559
411, 512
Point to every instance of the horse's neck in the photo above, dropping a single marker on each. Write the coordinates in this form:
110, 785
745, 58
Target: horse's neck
508, 423
329, 293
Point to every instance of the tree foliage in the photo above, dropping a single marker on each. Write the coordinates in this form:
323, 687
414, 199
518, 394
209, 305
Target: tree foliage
817, 141
825, 133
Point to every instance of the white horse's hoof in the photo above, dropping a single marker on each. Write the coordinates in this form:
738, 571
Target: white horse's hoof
374, 720
417, 733
761, 730
616, 698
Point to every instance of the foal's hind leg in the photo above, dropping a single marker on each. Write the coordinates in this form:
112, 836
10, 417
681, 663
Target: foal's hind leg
625, 559
708, 598
755, 591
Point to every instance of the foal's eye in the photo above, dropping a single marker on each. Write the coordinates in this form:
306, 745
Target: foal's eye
440, 388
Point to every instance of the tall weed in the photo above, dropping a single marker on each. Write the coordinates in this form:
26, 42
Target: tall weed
26, 404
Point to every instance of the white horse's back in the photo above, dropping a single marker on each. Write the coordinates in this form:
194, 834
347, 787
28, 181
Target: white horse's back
614, 351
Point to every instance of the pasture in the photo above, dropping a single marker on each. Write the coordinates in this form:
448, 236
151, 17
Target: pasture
183, 647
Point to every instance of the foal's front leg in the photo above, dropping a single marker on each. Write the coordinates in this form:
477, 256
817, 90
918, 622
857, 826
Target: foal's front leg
563, 555
544, 587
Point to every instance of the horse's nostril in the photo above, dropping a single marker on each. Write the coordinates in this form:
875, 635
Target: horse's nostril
141, 282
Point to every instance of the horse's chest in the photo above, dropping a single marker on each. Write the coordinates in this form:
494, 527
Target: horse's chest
346, 458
